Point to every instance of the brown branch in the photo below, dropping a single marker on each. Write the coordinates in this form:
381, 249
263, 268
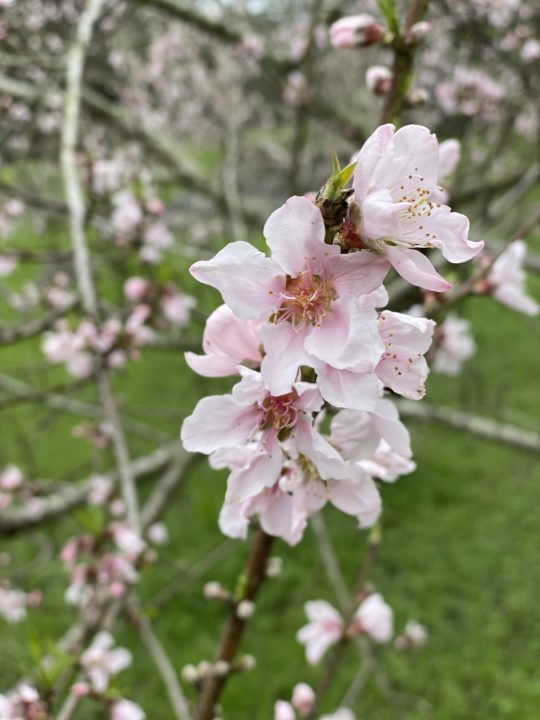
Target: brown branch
255, 574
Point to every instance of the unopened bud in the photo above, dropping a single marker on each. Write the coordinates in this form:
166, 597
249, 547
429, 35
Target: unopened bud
204, 668
418, 31
379, 79
356, 31
417, 97
247, 663
274, 567
215, 591
222, 668
190, 674
245, 609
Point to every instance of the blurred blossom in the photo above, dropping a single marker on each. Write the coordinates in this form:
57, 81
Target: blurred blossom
453, 345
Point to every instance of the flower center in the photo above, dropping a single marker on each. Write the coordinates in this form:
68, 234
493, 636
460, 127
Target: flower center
305, 300
278, 411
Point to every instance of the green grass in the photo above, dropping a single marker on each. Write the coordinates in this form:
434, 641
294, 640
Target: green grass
460, 548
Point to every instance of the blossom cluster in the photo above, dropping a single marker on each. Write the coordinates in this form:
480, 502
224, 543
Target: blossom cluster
114, 342
309, 421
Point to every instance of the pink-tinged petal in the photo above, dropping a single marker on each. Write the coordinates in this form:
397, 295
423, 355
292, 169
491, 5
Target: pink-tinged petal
249, 282
295, 235
347, 338
231, 458
403, 367
316, 448
347, 389
449, 156
386, 464
516, 299
411, 160
283, 711
322, 611
449, 232
250, 389
416, 268
381, 215
309, 397
358, 496
218, 421
368, 157
356, 273
211, 365
285, 353
277, 519
234, 520
227, 342
386, 421
263, 470
376, 299
118, 659
354, 434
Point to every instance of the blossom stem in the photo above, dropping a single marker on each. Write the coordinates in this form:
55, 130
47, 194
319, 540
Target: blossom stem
338, 654
255, 573
402, 68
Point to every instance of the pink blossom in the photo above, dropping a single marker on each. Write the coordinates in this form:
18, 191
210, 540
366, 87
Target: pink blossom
419, 30
11, 477
355, 30
7, 265
307, 289
530, 50
324, 629
453, 344
100, 661
375, 618
136, 288
379, 79
227, 343
251, 412
158, 534
507, 280
128, 541
177, 308
393, 181
303, 698
126, 710
127, 213
12, 605
283, 711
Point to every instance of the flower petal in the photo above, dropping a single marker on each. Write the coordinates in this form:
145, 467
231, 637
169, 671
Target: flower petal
416, 268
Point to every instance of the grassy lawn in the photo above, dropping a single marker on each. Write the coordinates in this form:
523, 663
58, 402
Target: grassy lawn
460, 547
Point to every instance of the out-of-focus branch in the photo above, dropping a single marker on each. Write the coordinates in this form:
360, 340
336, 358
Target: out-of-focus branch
18, 519
165, 668
26, 330
163, 490
42, 202
482, 427
72, 106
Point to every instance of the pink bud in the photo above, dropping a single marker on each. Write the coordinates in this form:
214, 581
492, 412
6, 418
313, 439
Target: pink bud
303, 698
80, 689
135, 288
356, 30
419, 30
379, 79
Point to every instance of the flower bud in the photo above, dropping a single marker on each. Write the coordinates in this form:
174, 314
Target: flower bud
274, 567
245, 609
222, 668
417, 97
190, 674
215, 591
418, 31
303, 698
379, 79
356, 31
204, 668
248, 662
